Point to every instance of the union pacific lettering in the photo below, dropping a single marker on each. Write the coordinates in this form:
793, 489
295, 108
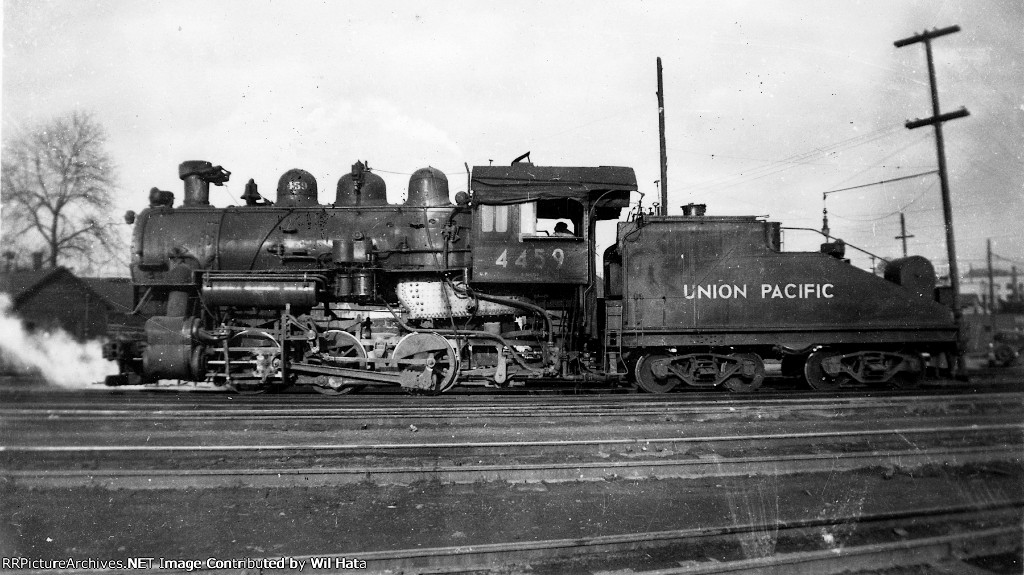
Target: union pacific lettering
714, 291
797, 291
768, 291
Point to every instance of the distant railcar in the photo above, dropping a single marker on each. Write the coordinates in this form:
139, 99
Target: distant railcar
428, 294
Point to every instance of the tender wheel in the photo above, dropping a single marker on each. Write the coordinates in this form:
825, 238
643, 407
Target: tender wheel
254, 358
652, 374
749, 376
340, 345
816, 376
437, 363
1004, 355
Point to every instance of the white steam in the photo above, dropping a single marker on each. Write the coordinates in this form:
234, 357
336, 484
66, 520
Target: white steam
56, 355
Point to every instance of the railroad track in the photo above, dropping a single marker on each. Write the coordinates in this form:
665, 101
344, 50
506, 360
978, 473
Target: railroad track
943, 537
519, 407
752, 548
609, 452
200, 398
208, 466
191, 435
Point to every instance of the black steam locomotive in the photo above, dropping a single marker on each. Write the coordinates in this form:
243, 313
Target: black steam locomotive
429, 294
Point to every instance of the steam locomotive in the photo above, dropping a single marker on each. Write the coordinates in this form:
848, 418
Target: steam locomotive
430, 294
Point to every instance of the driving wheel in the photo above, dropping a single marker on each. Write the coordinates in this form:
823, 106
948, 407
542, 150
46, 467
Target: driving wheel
343, 350
427, 362
254, 363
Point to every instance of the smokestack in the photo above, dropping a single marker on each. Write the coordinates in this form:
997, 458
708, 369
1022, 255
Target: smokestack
198, 175
197, 190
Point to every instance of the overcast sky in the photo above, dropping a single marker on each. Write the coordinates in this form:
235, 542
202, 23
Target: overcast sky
769, 104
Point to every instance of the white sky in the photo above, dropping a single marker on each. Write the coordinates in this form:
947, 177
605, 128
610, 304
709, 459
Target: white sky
769, 103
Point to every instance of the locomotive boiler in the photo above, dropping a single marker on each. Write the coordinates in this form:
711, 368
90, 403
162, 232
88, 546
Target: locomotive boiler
487, 291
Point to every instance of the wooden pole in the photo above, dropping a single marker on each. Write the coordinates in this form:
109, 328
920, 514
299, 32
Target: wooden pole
661, 138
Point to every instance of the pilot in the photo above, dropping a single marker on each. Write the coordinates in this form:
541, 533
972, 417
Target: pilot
562, 231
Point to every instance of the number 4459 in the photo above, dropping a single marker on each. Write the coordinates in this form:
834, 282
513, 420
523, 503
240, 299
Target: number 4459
538, 260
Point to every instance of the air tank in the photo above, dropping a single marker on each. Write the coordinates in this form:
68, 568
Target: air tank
296, 188
428, 187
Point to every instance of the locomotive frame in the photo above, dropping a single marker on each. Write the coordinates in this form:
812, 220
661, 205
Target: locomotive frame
430, 294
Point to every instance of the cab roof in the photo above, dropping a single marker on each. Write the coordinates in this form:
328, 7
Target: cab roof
524, 182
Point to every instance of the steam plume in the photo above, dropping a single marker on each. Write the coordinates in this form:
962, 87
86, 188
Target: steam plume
56, 355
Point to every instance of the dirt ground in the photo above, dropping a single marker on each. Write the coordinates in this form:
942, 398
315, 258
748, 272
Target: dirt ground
240, 523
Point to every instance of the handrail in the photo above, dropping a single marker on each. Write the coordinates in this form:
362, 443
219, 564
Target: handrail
829, 237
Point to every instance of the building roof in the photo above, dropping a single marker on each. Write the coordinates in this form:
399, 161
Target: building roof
23, 284
17, 283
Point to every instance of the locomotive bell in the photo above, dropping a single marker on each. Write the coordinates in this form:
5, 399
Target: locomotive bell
361, 187
428, 187
296, 188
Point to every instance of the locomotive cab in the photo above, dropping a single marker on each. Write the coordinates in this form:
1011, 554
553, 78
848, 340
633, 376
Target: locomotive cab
535, 225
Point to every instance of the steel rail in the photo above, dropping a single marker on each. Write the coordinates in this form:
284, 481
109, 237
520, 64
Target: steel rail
497, 557
918, 551
515, 444
206, 397
943, 550
694, 468
523, 410
525, 550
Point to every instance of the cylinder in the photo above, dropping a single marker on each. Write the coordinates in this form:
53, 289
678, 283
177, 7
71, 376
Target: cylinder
428, 187
362, 284
341, 251
695, 210
260, 293
171, 352
343, 286
914, 273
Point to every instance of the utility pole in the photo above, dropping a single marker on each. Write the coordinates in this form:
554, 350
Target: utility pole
661, 138
991, 291
903, 234
936, 120
1013, 283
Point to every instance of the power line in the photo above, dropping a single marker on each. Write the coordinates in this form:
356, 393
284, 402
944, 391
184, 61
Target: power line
796, 159
825, 194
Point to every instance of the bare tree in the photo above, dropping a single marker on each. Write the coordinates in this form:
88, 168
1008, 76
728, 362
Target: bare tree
57, 192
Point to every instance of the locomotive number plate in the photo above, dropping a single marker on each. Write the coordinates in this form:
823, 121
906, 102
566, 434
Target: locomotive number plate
538, 258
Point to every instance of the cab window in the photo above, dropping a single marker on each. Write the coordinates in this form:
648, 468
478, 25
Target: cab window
494, 219
561, 218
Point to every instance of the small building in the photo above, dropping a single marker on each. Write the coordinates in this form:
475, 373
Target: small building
50, 299
119, 294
